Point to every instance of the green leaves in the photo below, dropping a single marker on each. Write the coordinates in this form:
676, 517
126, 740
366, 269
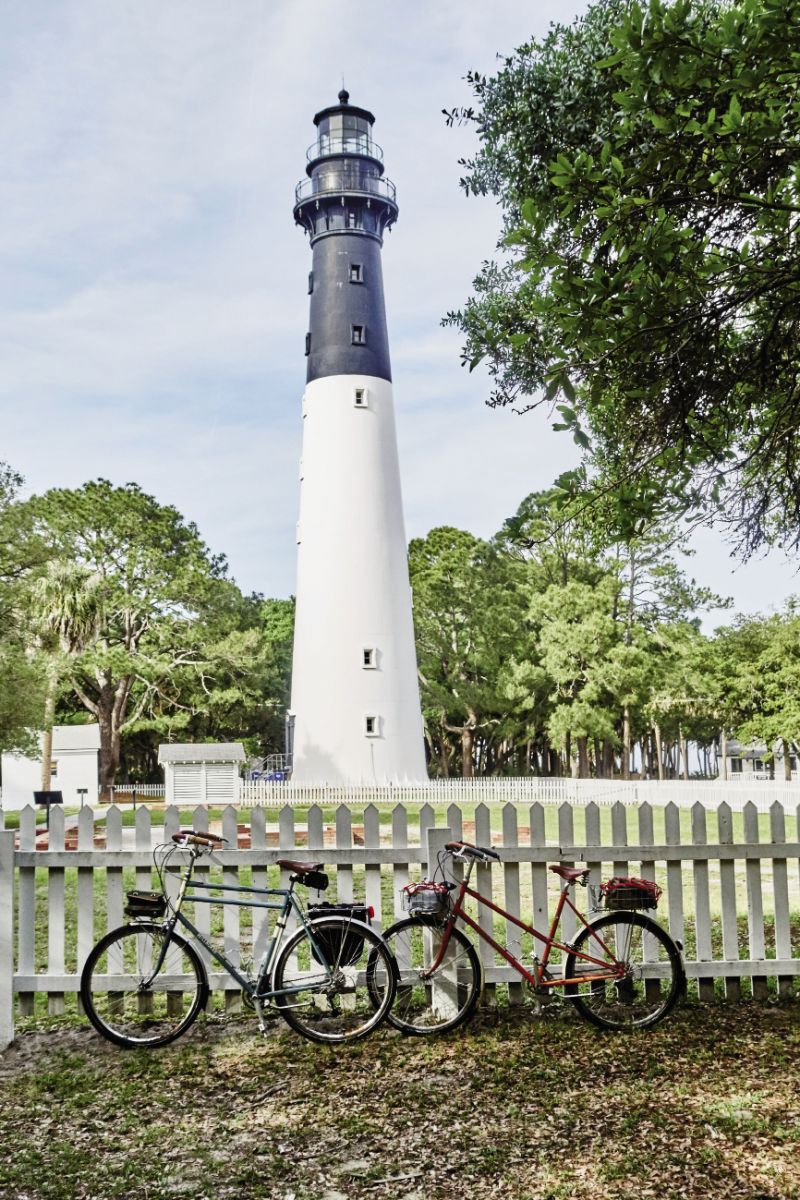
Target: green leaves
651, 176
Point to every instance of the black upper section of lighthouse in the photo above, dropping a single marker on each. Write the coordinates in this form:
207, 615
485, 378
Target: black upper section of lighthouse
345, 205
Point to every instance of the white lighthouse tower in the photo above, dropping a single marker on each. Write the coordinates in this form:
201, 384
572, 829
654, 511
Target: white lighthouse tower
355, 697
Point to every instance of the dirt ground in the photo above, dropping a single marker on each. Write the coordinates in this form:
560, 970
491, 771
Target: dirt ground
515, 1107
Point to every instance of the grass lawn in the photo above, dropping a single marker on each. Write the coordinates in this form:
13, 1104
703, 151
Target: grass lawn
704, 1107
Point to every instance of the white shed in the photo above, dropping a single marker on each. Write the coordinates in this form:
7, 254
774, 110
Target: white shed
75, 763
201, 773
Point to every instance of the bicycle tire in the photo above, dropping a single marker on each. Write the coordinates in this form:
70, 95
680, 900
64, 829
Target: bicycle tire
653, 982
431, 1005
339, 1008
150, 1014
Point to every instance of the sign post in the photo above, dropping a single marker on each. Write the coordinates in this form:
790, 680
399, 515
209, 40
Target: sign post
46, 799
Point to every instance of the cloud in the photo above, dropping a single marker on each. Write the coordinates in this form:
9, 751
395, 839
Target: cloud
153, 293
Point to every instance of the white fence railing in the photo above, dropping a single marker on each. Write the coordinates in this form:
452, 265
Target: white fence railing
731, 881
525, 790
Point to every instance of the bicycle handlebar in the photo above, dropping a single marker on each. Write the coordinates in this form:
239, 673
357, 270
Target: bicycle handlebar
191, 837
468, 850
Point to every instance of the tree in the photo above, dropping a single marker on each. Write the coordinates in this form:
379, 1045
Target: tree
67, 603
21, 557
648, 165
467, 615
761, 657
157, 580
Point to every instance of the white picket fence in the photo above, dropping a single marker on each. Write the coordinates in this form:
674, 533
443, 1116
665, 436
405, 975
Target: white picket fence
731, 896
527, 790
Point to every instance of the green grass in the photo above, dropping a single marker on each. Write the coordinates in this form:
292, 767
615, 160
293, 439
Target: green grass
512, 1108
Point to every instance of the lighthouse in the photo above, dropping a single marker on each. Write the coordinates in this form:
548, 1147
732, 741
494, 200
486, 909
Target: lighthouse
355, 705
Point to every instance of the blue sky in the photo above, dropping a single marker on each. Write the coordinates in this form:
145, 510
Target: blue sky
153, 298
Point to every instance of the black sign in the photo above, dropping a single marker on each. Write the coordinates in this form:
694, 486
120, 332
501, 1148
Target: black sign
48, 798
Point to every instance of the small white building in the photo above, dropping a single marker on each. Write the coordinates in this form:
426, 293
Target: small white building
75, 765
200, 772
753, 762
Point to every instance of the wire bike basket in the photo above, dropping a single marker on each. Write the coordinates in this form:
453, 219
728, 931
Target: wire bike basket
426, 898
629, 893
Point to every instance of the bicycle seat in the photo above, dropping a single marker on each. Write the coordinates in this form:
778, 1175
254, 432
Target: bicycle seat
571, 874
300, 868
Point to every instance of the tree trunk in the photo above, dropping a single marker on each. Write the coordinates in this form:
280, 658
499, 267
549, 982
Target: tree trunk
683, 753
723, 752
598, 758
49, 718
626, 743
787, 761
659, 756
109, 752
583, 757
467, 740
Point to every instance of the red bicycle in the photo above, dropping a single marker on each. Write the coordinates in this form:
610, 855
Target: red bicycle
622, 970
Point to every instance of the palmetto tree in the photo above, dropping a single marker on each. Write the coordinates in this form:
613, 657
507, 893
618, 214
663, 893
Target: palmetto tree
67, 609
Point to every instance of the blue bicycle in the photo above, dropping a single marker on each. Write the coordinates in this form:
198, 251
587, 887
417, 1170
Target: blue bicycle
332, 979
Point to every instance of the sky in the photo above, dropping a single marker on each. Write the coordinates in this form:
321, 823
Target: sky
153, 291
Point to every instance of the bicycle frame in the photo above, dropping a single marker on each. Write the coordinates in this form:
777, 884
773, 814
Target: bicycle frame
535, 978
284, 907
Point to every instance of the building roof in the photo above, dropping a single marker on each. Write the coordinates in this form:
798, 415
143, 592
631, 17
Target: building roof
231, 752
75, 737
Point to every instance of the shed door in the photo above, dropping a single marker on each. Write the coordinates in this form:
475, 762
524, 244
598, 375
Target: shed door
188, 783
220, 783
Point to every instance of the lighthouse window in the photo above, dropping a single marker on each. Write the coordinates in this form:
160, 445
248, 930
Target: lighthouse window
371, 726
358, 335
310, 282
360, 397
308, 343
369, 657
356, 273
351, 220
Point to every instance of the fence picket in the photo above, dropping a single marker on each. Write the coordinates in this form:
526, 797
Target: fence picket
27, 909
592, 828
202, 912
516, 991
372, 874
780, 884
541, 908
702, 903
6, 938
672, 836
727, 880
344, 840
261, 924
85, 889
400, 874
231, 914
56, 915
483, 874
755, 901
566, 837
316, 843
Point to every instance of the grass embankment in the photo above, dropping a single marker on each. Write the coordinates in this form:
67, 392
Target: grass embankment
707, 1105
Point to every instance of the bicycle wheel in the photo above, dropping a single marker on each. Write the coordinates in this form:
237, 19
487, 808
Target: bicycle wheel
130, 1003
432, 1003
653, 972
344, 1000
